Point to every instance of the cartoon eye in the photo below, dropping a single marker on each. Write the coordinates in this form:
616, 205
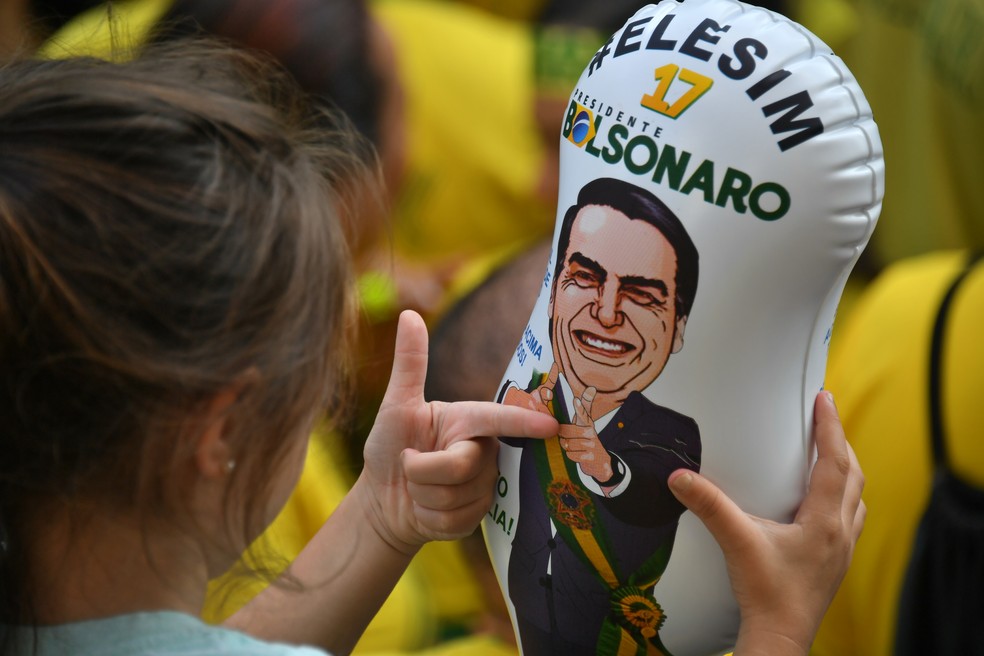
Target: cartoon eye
642, 298
584, 279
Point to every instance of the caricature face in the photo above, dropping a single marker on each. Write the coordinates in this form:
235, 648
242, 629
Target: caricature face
615, 320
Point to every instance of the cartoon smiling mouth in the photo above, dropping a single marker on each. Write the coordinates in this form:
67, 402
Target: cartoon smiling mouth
598, 344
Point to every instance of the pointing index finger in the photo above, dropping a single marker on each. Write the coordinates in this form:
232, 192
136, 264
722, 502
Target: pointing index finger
479, 418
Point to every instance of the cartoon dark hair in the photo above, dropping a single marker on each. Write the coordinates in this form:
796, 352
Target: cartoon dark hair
638, 204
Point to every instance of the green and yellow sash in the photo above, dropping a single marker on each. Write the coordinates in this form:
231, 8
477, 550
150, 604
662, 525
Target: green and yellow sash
632, 625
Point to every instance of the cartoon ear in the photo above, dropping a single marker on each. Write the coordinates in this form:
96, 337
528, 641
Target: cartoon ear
681, 327
748, 144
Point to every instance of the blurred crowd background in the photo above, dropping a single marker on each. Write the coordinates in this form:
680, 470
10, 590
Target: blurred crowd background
463, 101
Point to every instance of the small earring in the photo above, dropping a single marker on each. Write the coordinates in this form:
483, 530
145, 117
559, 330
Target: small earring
230, 466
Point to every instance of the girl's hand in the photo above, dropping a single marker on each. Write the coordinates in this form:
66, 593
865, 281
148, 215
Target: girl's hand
784, 576
430, 468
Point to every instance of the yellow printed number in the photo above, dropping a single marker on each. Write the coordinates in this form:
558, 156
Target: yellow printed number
665, 75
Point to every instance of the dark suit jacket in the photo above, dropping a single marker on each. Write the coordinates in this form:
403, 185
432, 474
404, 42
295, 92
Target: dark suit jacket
653, 441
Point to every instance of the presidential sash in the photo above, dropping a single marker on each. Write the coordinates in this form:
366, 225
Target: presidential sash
632, 625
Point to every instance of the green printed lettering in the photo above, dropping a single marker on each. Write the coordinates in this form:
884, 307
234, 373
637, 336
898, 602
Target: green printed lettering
735, 186
614, 154
782, 196
632, 146
569, 120
641, 155
501, 520
668, 164
703, 179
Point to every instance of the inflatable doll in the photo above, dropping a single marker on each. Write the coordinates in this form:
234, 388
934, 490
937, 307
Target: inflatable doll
720, 174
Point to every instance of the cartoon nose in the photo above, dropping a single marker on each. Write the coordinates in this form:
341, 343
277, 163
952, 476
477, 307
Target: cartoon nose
606, 308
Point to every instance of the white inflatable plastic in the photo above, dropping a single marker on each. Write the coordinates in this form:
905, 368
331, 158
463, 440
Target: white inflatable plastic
720, 174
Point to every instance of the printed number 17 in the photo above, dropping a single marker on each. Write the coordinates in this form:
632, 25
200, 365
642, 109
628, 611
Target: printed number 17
665, 75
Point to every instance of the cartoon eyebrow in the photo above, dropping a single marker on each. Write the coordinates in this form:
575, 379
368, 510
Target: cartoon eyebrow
588, 263
640, 281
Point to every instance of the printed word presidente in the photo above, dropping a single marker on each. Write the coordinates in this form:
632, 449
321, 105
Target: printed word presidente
679, 170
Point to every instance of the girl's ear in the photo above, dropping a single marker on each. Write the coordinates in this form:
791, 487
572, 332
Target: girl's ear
213, 454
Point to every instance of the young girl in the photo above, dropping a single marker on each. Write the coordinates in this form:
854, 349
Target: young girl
174, 316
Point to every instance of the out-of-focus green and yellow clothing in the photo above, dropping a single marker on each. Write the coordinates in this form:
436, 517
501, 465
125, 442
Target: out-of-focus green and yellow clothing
879, 376
921, 66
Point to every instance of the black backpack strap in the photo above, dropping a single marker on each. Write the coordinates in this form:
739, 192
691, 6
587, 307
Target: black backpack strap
937, 431
942, 597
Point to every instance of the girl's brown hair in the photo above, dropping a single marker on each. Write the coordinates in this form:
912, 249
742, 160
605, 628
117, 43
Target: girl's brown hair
169, 229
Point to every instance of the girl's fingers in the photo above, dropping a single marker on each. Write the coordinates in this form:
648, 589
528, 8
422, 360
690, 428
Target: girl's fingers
460, 463
445, 498
455, 523
409, 371
855, 487
469, 419
836, 468
858, 525
729, 525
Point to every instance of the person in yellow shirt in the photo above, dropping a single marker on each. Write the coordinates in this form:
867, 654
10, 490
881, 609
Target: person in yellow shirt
880, 376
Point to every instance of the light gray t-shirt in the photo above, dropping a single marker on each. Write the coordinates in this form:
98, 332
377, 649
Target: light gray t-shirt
161, 633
